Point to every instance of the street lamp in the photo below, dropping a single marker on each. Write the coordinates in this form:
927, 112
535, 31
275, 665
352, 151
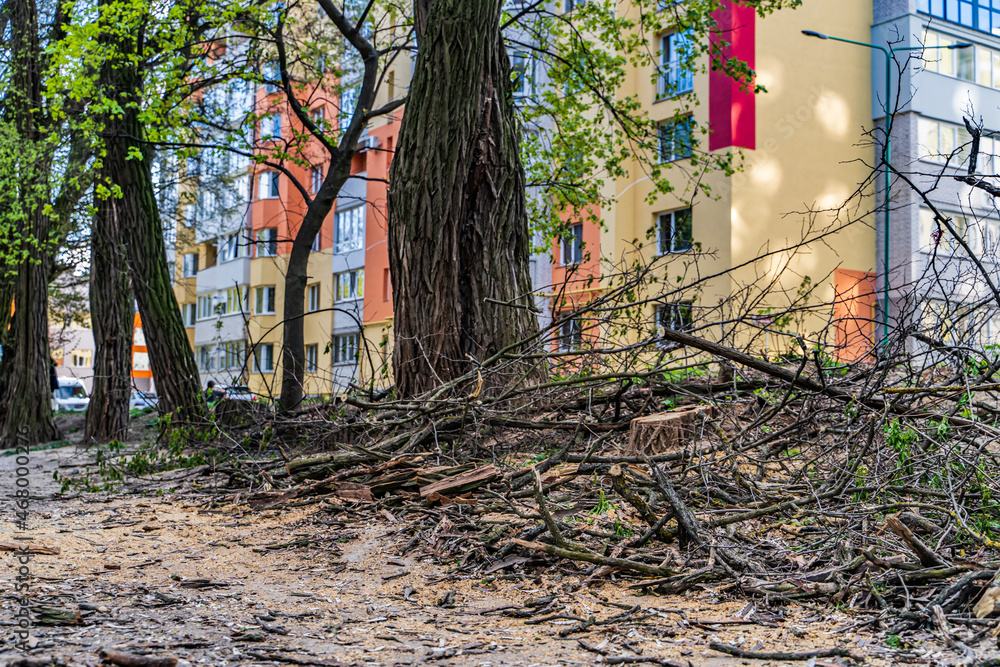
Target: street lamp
888, 51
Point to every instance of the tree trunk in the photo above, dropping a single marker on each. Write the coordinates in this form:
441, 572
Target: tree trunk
111, 317
28, 394
296, 279
458, 228
127, 165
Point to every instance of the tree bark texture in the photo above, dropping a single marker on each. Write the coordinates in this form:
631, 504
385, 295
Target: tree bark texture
458, 230
27, 391
170, 355
111, 317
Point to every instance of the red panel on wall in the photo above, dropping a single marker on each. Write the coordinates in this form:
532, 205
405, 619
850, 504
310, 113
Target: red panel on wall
732, 112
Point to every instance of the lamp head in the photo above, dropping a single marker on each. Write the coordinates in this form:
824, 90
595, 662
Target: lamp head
961, 45
813, 33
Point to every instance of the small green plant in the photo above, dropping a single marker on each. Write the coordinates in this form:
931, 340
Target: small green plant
893, 641
901, 439
602, 505
623, 529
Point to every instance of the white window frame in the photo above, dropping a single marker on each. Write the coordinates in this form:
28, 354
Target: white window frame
349, 285
189, 268
312, 298
349, 229
267, 242
571, 335
668, 146
348, 104
345, 348
676, 316
312, 358
522, 70
668, 220
265, 298
672, 78
206, 306
263, 358
230, 247
190, 314
317, 178
572, 245
268, 185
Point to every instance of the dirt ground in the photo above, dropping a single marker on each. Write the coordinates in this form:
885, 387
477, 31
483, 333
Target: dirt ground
174, 572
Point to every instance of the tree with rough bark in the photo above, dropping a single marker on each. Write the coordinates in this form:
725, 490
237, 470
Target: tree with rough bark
458, 211
27, 392
125, 80
458, 224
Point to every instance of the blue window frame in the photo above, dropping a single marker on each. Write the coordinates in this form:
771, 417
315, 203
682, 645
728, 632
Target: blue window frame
982, 15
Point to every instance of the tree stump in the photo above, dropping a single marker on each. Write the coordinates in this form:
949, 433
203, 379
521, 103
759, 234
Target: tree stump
666, 432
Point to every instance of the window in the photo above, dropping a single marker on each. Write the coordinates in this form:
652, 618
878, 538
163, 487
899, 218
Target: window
673, 232
206, 358
267, 242
348, 103
270, 127
312, 358
233, 355
522, 70
349, 229
205, 307
235, 301
268, 182
313, 298
317, 179
673, 316
349, 285
264, 300
570, 335
82, 358
675, 139
981, 15
944, 321
190, 313
960, 63
570, 5
190, 215
976, 235
345, 348
190, 269
945, 142
318, 116
987, 67
230, 247
572, 246
316, 242
674, 78
264, 358
271, 77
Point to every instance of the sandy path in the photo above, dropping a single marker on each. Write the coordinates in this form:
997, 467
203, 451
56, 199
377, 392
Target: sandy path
169, 574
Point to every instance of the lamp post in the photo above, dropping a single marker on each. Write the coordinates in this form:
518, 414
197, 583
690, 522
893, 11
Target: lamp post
888, 51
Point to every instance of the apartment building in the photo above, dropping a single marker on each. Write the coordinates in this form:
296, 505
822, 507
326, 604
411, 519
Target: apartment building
802, 160
953, 74
235, 232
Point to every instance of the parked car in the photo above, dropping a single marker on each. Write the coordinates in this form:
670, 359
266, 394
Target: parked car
70, 396
237, 393
141, 400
